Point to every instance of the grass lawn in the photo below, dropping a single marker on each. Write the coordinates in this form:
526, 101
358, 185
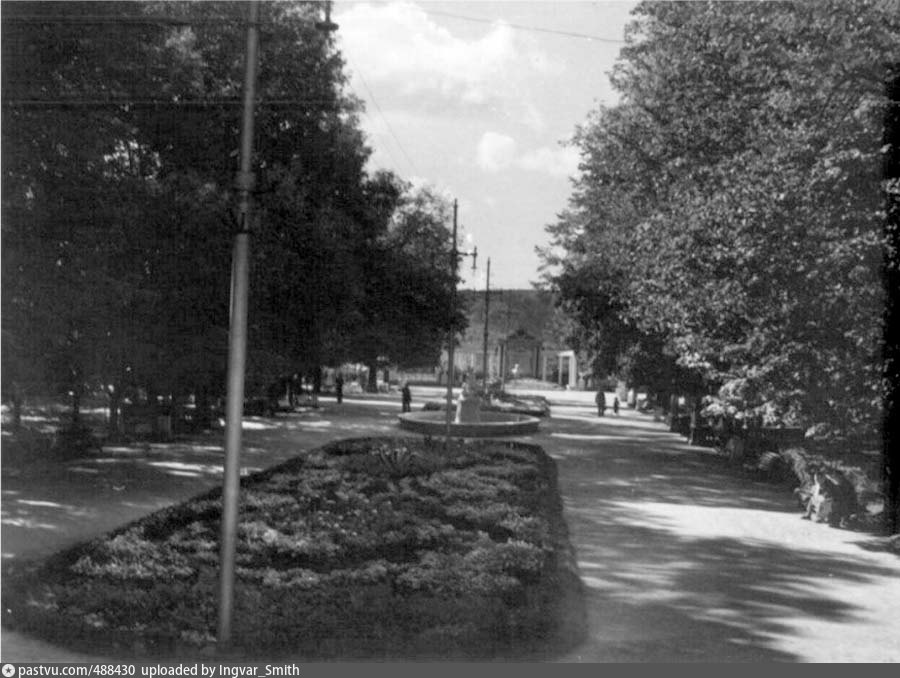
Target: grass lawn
364, 548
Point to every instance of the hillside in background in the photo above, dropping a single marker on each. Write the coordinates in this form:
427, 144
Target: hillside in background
510, 310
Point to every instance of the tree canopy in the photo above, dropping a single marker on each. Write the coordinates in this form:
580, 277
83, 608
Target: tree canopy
407, 305
732, 203
120, 135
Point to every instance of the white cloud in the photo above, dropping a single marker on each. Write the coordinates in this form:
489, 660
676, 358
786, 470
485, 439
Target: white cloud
498, 151
399, 45
562, 161
495, 151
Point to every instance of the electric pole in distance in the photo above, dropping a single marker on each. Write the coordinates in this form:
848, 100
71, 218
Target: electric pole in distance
455, 254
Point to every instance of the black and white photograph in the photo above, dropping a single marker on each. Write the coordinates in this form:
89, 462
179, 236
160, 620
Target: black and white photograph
360, 334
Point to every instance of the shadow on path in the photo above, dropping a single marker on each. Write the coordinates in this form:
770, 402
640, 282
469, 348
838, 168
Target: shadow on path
684, 559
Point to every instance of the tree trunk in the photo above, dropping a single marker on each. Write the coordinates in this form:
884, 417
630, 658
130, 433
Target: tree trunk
202, 418
890, 451
17, 407
673, 412
76, 407
115, 400
891, 470
317, 380
372, 383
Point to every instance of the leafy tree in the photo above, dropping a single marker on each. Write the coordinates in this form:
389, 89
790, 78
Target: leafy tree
117, 221
405, 308
310, 159
618, 347
122, 147
63, 192
419, 242
732, 200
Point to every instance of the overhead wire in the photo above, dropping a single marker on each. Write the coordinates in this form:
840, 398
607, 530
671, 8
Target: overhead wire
387, 123
452, 15
387, 146
166, 21
522, 27
125, 102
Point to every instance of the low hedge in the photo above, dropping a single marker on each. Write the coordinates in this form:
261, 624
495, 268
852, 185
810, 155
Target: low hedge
363, 548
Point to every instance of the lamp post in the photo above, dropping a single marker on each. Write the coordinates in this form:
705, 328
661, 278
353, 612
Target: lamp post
237, 336
455, 254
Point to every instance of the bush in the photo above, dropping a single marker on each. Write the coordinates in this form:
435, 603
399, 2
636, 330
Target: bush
368, 547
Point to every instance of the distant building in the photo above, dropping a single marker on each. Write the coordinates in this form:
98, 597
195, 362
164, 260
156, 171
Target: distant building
521, 355
525, 339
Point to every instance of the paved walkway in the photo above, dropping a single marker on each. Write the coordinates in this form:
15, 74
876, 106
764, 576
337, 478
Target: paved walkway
682, 558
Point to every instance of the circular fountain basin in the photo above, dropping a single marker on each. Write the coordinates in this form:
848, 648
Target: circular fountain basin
434, 423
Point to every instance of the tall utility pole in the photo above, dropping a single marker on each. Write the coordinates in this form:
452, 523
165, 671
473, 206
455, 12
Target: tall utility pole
237, 336
487, 303
504, 350
455, 254
454, 262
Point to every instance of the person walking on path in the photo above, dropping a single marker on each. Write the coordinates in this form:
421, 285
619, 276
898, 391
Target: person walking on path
339, 387
616, 405
601, 402
406, 397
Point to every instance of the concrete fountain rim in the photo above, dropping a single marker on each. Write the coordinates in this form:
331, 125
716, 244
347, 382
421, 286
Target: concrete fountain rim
492, 424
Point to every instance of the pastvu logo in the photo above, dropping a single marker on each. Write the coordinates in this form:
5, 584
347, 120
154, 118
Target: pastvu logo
9, 670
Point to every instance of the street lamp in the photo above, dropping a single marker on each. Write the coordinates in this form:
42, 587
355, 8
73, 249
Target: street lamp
237, 335
327, 26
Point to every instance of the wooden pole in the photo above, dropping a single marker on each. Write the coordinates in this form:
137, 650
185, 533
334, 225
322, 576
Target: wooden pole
487, 302
451, 334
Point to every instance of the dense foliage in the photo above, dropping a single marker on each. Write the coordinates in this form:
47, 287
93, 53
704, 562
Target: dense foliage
731, 205
120, 134
405, 305
370, 547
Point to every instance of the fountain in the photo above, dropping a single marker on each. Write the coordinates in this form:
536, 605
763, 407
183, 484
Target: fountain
470, 420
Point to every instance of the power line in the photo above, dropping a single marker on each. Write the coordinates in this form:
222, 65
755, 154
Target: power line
387, 124
167, 21
365, 111
90, 19
155, 103
521, 27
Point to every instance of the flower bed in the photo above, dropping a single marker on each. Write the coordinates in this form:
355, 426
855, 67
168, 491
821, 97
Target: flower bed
363, 548
535, 406
532, 406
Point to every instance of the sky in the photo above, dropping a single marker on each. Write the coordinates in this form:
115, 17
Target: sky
478, 99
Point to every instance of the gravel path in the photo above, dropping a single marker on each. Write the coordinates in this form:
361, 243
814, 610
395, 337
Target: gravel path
682, 558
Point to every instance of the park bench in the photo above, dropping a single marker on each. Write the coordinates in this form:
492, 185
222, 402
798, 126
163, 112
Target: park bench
680, 423
74, 440
143, 420
704, 433
773, 438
